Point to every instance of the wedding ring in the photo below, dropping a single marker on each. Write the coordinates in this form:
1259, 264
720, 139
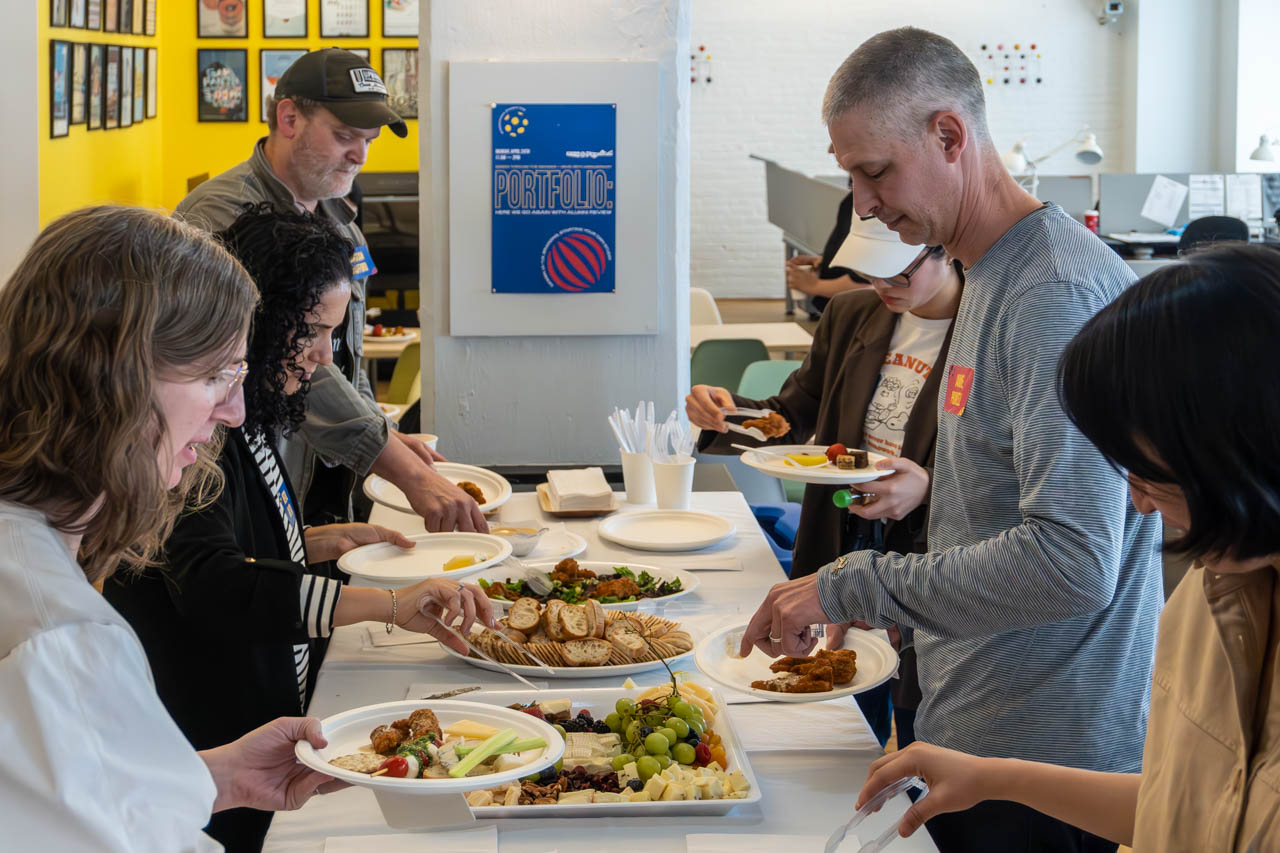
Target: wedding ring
774, 639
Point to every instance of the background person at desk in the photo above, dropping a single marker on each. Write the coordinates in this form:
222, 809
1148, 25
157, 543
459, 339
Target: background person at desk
817, 277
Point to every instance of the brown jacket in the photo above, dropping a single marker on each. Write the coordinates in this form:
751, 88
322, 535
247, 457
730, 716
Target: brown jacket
827, 397
1211, 763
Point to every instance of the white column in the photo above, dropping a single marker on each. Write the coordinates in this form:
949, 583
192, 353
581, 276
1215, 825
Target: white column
19, 168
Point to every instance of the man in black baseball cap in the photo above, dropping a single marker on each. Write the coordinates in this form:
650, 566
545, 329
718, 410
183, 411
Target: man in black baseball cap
345, 85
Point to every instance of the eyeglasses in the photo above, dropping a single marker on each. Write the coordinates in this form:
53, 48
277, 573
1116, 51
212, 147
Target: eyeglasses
235, 377
903, 279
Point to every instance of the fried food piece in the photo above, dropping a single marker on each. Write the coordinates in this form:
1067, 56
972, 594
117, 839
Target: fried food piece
385, 739
567, 571
816, 680
423, 721
404, 727
619, 588
843, 663
773, 425
473, 490
500, 590
787, 664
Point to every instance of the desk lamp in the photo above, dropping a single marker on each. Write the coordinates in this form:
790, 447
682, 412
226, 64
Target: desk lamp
1015, 159
1263, 151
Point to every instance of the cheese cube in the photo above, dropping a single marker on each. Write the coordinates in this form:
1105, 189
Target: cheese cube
693, 792
512, 796
707, 771
711, 788
736, 795
480, 798
655, 786
638, 797
471, 729
573, 798
674, 791
606, 797
738, 781
627, 773
715, 765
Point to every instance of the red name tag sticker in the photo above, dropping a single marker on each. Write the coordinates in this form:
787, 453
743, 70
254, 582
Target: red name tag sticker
959, 381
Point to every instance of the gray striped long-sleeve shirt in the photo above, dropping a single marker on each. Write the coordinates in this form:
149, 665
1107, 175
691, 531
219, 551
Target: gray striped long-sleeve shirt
1035, 609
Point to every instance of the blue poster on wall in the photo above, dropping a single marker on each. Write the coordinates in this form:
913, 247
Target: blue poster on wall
554, 187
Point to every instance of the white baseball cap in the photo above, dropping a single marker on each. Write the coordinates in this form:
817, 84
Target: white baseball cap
873, 250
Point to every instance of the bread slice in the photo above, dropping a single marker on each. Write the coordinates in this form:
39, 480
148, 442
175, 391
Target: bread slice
587, 652
551, 619
573, 622
597, 617
626, 637
525, 614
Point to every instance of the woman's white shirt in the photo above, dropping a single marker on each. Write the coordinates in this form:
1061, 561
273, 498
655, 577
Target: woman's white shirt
89, 758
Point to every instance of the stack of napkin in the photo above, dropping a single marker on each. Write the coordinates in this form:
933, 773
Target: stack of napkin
582, 488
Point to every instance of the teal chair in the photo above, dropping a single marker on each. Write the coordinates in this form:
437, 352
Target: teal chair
763, 379
722, 362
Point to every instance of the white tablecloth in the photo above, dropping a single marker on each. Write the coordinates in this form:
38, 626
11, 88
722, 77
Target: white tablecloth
805, 792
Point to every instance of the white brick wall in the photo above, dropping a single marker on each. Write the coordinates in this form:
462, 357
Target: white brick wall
770, 62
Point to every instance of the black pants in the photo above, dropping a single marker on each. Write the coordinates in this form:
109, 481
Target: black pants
240, 830
999, 826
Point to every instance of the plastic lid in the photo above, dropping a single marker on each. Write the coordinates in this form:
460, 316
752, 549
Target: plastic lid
872, 806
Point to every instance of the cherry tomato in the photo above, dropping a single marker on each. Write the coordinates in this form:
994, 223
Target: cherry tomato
396, 765
835, 450
377, 330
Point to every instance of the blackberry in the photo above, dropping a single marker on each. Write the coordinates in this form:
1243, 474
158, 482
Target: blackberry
601, 727
645, 731
635, 785
693, 739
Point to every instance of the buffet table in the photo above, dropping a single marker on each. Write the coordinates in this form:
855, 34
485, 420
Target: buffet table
810, 760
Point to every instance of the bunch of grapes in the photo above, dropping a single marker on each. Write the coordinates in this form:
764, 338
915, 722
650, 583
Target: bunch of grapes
657, 732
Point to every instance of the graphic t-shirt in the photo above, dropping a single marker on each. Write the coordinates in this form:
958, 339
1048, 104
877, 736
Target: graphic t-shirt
912, 352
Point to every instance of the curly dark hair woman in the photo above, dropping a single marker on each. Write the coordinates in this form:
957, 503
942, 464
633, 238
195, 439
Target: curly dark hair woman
294, 258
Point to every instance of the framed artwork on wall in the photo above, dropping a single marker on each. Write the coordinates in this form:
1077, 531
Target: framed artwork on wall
78, 13
93, 15
400, 74
126, 16
400, 18
284, 18
150, 22
139, 83
57, 13
344, 18
153, 79
362, 52
221, 19
79, 81
96, 77
111, 101
126, 86
139, 16
273, 63
222, 85
59, 88
111, 16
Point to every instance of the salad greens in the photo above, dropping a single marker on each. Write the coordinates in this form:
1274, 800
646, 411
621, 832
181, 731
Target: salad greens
580, 590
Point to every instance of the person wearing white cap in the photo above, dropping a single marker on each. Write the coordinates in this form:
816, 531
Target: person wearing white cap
873, 358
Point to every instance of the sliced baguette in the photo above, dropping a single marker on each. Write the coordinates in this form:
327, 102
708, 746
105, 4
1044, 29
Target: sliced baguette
627, 639
587, 652
599, 620
573, 622
524, 615
551, 619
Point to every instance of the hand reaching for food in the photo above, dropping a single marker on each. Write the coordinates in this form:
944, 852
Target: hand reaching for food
703, 406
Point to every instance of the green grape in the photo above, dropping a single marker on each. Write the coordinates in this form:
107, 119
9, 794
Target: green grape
559, 765
633, 731
646, 767
679, 726
696, 724
669, 734
559, 728
682, 709
621, 761
614, 722
664, 760
625, 706
656, 743
683, 753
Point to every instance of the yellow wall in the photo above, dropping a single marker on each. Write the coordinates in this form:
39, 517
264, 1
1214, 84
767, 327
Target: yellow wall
149, 164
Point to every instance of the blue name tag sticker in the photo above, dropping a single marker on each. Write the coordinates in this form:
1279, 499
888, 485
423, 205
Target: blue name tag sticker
362, 265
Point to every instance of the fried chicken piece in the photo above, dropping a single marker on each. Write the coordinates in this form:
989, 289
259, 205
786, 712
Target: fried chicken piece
787, 664
843, 663
773, 425
423, 721
473, 490
385, 739
403, 726
619, 588
500, 590
567, 571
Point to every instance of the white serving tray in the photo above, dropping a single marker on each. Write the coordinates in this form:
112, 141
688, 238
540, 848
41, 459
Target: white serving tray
570, 671
496, 488
598, 699
601, 567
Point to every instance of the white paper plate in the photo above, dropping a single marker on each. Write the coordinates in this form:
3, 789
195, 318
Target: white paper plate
390, 410
600, 701
688, 582
827, 475
390, 339
390, 564
349, 731
666, 530
877, 662
556, 544
572, 671
496, 488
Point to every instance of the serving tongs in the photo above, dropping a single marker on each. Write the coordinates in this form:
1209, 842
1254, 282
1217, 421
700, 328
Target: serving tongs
754, 432
872, 806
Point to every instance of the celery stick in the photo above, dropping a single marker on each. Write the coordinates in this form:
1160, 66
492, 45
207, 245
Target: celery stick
481, 752
514, 746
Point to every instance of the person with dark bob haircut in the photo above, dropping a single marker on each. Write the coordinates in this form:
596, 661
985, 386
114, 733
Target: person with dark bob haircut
1174, 382
233, 622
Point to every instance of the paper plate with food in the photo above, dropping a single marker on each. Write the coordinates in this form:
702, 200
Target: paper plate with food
866, 661
578, 640
453, 555
614, 766
615, 585
820, 464
489, 489
390, 334
445, 746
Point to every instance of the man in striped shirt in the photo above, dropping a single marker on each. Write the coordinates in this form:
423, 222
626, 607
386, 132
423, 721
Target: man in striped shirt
1035, 610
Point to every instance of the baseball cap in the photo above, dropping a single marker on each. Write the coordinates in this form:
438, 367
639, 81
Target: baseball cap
873, 250
346, 85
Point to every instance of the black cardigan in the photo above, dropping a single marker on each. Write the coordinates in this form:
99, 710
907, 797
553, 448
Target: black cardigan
219, 620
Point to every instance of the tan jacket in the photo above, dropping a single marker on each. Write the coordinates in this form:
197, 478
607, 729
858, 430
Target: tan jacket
1211, 765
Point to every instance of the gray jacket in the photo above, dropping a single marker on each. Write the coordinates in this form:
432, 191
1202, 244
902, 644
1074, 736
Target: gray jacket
343, 427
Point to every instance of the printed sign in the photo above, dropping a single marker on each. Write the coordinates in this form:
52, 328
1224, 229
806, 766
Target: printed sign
959, 383
554, 198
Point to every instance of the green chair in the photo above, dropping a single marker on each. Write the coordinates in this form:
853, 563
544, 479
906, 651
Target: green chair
761, 380
722, 362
